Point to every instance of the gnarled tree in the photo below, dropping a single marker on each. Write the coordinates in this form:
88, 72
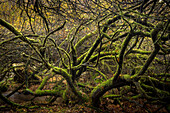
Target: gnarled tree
126, 39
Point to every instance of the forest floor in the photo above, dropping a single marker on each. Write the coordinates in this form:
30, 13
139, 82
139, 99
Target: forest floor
107, 106
85, 108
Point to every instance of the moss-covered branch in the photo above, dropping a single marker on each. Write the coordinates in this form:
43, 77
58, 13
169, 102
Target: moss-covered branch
121, 54
57, 29
154, 34
103, 75
98, 91
67, 76
22, 37
86, 37
143, 52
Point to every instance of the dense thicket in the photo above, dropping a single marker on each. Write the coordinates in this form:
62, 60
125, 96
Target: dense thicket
86, 49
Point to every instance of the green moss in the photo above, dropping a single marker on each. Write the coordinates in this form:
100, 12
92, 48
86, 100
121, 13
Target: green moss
102, 74
102, 86
154, 89
32, 40
84, 39
136, 96
28, 90
61, 71
44, 81
107, 36
64, 95
111, 96
48, 92
126, 77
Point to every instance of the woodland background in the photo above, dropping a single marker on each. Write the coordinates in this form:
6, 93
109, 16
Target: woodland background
84, 56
